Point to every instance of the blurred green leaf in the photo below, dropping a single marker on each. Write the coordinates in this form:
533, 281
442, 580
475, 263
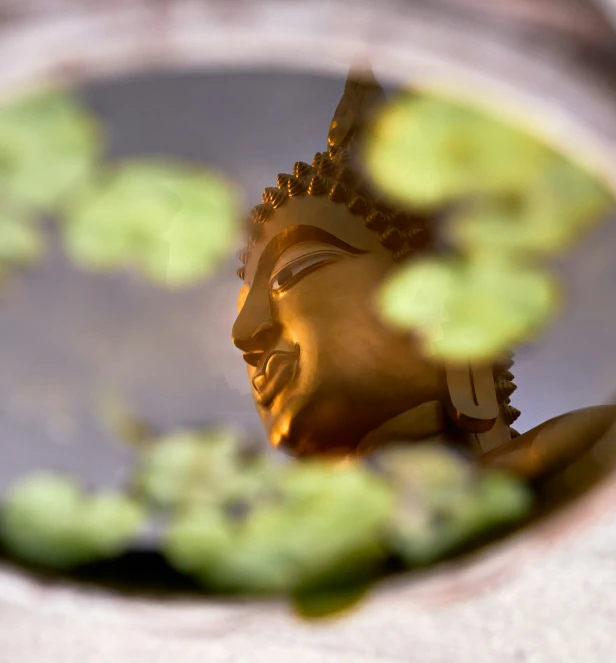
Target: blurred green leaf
315, 523
48, 147
316, 530
511, 199
171, 223
425, 151
548, 216
444, 502
468, 310
50, 521
210, 466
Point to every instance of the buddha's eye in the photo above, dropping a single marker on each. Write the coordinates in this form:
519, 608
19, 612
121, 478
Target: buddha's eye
292, 272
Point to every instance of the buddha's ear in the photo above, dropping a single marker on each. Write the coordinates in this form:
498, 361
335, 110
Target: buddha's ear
362, 95
472, 403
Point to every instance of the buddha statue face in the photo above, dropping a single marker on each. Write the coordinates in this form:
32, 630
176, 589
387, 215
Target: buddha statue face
324, 370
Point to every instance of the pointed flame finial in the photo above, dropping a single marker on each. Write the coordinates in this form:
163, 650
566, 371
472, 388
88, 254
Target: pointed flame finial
362, 93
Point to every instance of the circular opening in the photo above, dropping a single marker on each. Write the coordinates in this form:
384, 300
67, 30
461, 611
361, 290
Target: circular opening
150, 115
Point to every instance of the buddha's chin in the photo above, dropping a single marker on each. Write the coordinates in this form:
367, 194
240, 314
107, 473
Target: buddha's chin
305, 428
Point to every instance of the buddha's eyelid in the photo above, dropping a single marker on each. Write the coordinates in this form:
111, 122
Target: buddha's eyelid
296, 235
290, 258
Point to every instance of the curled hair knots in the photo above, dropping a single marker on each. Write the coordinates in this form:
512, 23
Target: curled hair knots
392, 239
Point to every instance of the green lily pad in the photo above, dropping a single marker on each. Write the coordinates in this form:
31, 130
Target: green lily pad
468, 311
50, 521
444, 502
425, 151
48, 147
548, 216
511, 199
205, 467
315, 523
171, 223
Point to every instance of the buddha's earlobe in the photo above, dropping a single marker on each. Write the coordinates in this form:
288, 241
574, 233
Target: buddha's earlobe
472, 403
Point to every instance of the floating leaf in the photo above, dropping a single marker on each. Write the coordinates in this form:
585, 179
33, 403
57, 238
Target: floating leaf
50, 521
314, 523
426, 151
511, 198
171, 223
444, 502
468, 311
548, 216
205, 467
48, 147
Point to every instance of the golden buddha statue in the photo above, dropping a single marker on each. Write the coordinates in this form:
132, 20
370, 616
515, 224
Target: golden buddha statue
328, 376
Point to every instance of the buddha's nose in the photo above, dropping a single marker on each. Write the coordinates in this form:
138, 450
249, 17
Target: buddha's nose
263, 339
255, 332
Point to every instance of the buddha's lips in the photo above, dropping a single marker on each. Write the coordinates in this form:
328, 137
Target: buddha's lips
279, 369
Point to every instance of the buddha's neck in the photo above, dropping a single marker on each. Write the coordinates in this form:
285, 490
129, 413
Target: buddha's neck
425, 423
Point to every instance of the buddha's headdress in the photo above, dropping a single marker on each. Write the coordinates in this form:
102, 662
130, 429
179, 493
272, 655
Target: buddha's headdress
337, 174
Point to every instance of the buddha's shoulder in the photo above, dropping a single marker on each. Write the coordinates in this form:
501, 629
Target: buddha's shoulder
589, 422
557, 443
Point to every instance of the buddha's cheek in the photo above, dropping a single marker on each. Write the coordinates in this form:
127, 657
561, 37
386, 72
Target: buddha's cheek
330, 315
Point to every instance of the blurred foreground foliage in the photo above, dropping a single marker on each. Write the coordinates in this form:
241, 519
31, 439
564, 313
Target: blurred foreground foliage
49, 146
442, 502
51, 521
170, 222
244, 521
311, 522
469, 309
508, 201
